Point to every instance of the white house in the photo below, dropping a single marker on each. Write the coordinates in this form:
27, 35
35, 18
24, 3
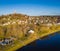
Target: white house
58, 24
41, 21
31, 31
19, 22
6, 23
49, 24
13, 22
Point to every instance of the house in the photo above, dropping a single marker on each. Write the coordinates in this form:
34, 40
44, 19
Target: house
19, 22
13, 22
31, 31
5, 24
49, 24
6, 41
41, 21
58, 24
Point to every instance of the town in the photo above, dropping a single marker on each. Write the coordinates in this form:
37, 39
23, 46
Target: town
16, 28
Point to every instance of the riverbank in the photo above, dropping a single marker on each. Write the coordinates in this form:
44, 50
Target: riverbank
50, 43
29, 40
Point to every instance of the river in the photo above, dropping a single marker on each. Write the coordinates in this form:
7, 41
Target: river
50, 43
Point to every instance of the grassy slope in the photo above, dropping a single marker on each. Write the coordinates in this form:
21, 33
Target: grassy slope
19, 44
30, 39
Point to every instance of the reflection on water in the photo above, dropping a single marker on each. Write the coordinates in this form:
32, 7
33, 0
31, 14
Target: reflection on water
52, 43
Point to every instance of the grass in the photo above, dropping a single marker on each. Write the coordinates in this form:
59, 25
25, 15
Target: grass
30, 39
24, 41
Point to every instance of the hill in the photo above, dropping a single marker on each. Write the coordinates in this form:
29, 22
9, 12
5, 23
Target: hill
19, 27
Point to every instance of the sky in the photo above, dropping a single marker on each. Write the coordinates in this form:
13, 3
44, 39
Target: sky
30, 7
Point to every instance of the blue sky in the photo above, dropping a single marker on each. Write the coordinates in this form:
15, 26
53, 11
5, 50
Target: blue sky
30, 7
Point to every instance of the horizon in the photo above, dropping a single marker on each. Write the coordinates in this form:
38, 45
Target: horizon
27, 15
30, 7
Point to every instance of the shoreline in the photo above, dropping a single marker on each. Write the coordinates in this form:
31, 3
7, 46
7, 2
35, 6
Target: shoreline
20, 45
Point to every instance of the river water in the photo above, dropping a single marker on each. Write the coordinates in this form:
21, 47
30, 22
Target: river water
50, 43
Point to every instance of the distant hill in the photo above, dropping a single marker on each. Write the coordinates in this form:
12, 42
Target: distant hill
19, 24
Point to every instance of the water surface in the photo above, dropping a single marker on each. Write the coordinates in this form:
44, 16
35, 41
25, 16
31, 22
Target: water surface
51, 43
